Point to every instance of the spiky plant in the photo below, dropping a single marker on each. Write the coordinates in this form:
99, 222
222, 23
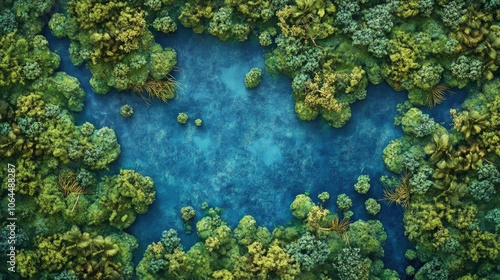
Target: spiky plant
161, 89
437, 95
401, 194
69, 185
337, 226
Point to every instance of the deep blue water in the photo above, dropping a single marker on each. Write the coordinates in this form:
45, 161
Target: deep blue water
252, 155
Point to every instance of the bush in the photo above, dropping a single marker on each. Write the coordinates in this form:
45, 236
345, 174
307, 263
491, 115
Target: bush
343, 202
372, 206
363, 184
253, 78
126, 111
182, 118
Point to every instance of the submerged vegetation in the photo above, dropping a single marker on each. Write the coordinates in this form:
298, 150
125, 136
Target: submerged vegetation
72, 220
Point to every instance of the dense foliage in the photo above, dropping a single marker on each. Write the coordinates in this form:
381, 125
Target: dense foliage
72, 221
449, 178
317, 246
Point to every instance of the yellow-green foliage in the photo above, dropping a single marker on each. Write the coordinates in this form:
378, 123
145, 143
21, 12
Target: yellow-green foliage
49, 130
491, 53
163, 261
318, 218
162, 62
112, 29
308, 20
473, 27
126, 195
29, 176
58, 26
249, 252
58, 139
489, 104
220, 240
368, 236
254, 11
412, 8
337, 119
222, 275
425, 220
50, 199
194, 15
305, 112
30, 105
27, 263
62, 90
392, 155
482, 245
87, 255
268, 263
447, 225
330, 92
11, 65
230, 19
25, 60
372, 206
477, 35
253, 78
301, 206
413, 60
319, 93
403, 54
113, 37
246, 230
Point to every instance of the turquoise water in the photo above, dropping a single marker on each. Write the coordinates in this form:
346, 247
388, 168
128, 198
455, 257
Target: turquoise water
252, 155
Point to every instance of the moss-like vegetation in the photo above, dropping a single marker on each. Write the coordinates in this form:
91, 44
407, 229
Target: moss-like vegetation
72, 222
449, 190
316, 247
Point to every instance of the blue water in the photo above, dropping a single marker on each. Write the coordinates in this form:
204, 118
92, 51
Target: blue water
252, 155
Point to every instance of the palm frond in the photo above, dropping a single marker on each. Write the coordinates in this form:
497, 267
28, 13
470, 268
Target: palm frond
161, 89
69, 185
401, 194
437, 95
338, 226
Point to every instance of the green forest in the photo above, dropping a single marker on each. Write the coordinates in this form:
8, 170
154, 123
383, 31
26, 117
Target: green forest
71, 221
